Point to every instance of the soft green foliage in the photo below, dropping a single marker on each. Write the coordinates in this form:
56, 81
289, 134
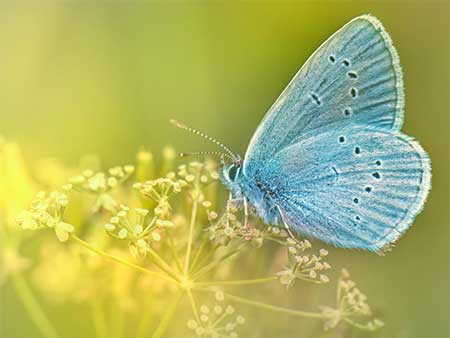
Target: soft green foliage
156, 247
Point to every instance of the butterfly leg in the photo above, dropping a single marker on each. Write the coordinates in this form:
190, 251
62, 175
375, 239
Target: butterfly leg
286, 226
245, 204
229, 202
245, 212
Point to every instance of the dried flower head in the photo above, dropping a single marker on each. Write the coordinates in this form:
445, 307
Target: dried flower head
302, 265
351, 307
216, 321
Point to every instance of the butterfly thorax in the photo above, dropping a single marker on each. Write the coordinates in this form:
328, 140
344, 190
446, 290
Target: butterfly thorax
259, 196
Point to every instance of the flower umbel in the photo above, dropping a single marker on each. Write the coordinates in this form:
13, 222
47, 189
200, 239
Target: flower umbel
351, 307
198, 175
226, 228
137, 230
159, 191
216, 321
46, 211
308, 267
101, 184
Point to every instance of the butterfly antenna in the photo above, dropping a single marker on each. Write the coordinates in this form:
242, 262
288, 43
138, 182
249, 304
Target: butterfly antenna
203, 153
229, 153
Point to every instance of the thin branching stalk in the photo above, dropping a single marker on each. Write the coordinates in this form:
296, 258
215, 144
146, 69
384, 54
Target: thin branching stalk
122, 261
162, 327
174, 252
202, 260
32, 307
213, 264
146, 316
191, 234
193, 304
291, 312
161, 263
198, 254
99, 318
117, 318
238, 282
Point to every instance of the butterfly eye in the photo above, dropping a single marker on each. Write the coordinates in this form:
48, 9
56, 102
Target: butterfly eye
233, 172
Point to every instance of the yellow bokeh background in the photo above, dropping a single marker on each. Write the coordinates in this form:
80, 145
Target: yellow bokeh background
105, 77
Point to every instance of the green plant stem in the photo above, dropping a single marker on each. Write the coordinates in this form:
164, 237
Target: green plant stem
191, 235
144, 323
338, 292
122, 261
161, 263
201, 261
221, 318
291, 312
117, 318
173, 249
275, 240
213, 264
162, 327
238, 282
32, 306
198, 254
357, 325
193, 304
99, 318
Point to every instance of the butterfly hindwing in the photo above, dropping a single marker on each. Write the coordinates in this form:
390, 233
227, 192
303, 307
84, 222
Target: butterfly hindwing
354, 76
355, 188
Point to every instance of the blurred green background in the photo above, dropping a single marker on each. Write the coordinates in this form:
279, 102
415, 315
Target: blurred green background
105, 77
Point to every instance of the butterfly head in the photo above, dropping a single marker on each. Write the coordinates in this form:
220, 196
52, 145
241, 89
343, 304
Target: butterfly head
231, 172
232, 177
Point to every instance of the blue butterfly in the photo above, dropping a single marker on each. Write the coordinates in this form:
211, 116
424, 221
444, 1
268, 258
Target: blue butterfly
329, 161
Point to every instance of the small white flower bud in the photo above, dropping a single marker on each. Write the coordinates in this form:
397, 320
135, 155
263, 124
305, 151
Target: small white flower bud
109, 227
123, 233
323, 252
129, 169
192, 324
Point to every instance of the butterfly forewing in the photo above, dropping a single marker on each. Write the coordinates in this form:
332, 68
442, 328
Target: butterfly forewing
354, 76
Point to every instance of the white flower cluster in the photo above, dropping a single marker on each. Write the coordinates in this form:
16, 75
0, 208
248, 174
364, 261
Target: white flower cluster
136, 230
217, 321
46, 211
304, 266
351, 307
